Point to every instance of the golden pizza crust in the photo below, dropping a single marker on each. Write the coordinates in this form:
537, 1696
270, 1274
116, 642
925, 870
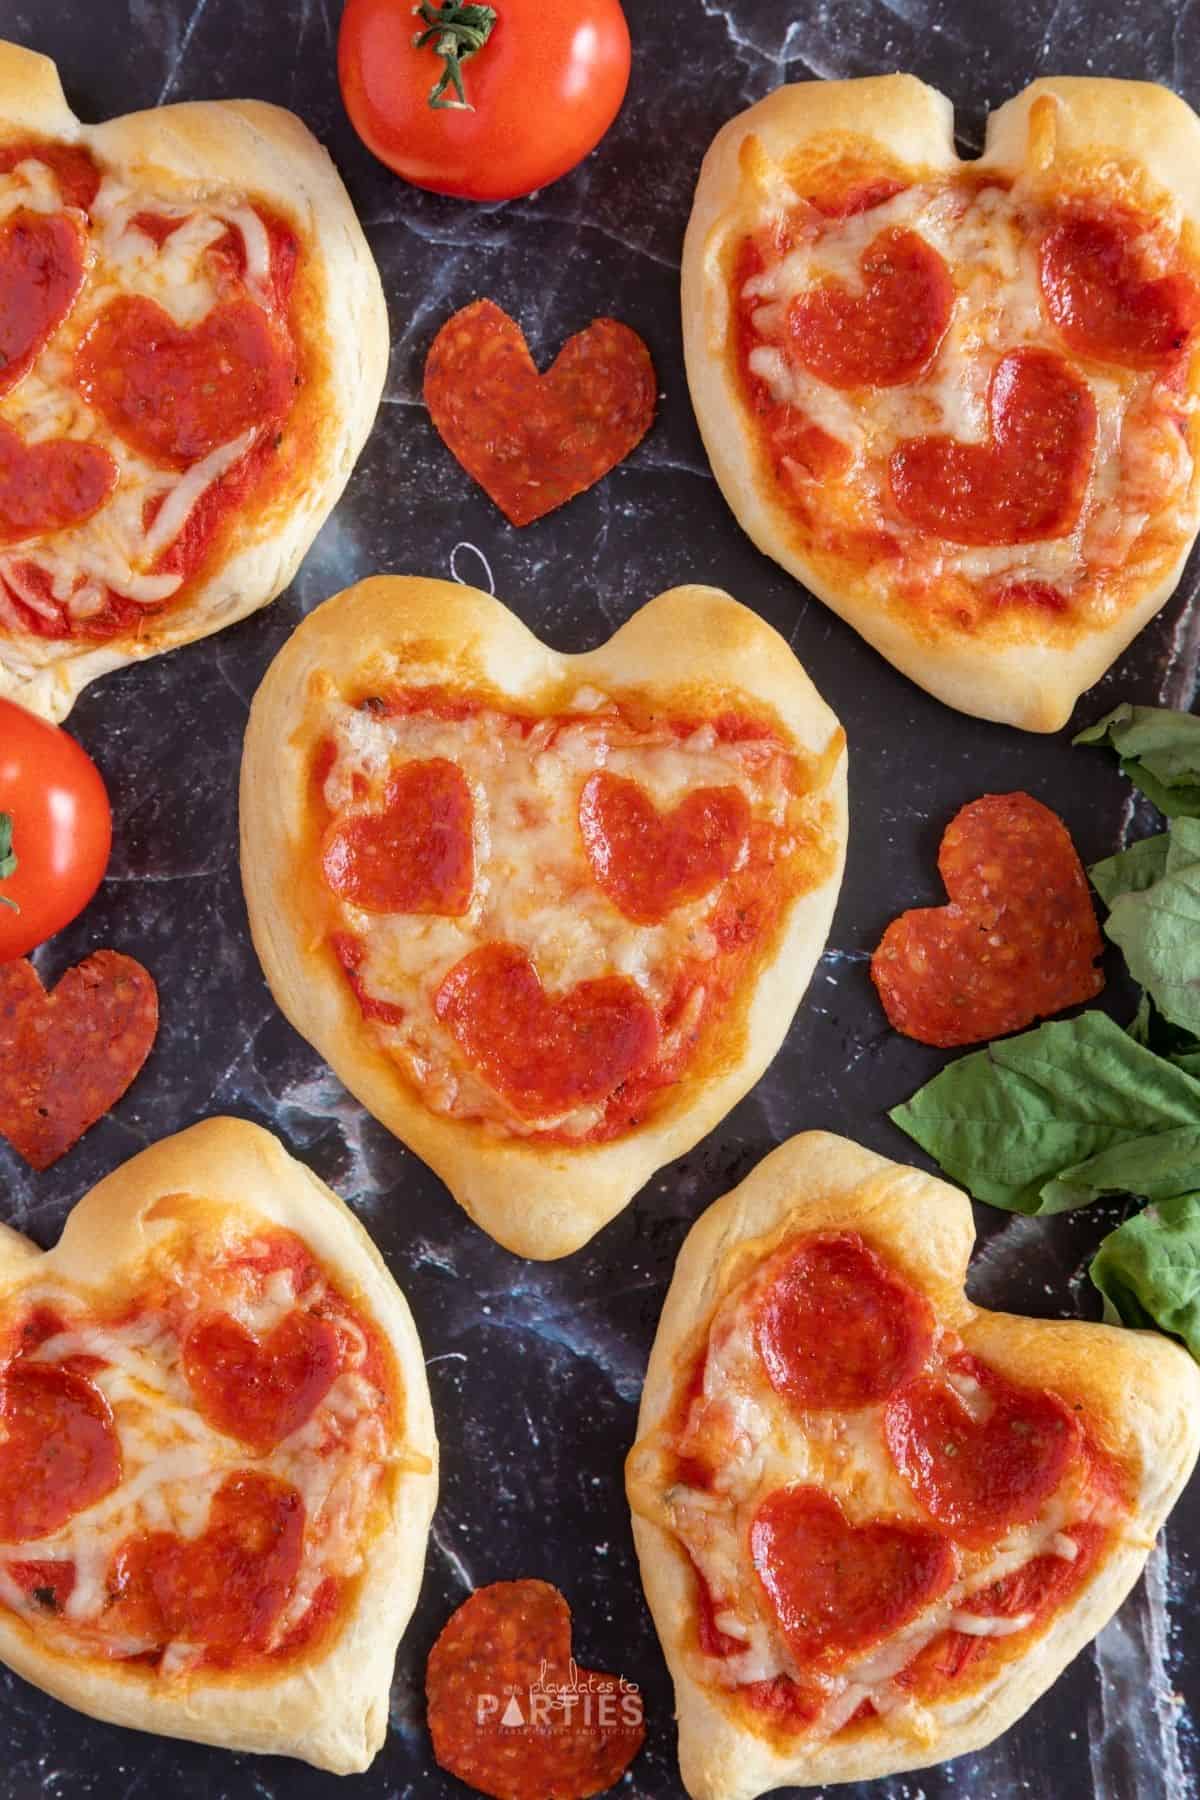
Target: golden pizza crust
539, 1201
1075, 130
249, 147
331, 1710
1141, 1391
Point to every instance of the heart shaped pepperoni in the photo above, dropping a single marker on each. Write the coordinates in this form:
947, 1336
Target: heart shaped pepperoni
649, 862
1017, 942
835, 1588
1028, 482
1097, 295
886, 333
224, 1589
544, 1054
984, 1455
58, 1449
534, 441
67, 1056
417, 855
176, 393
41, 272
260, 1392
512, 1715
49, 486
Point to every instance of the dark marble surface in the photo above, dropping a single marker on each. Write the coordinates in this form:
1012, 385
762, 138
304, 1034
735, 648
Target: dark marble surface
535, 1369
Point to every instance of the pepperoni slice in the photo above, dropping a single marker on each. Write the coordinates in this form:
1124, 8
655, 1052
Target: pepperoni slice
534, 441
176, 393
1028, 483
58, 1449
73, 167
649, 862
835, 1327
884, 335
224, 1589
50, 486
260, 1391
545, 1055
1096, 293
417, 855
510, 1713
41, 272
1017, 942
985, 1459
835, 1588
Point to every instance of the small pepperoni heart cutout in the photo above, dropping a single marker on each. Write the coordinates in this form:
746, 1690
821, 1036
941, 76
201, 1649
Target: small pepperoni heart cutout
545, 1054
178, 392
58, 1449
417, 854
649, 862
1028, 482
41, 272
534, 441
50, 486
511, 1714
1102, 303
836, 1588
1018, 941
982, 1457
260, 1392
224, 1589
885, 334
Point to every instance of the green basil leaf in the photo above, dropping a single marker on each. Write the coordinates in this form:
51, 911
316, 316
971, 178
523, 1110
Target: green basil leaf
1158, 931
1149, 1269
1189, 1062
1155, 1166
1014, 1121
1159, 750
8, 860
1131, 870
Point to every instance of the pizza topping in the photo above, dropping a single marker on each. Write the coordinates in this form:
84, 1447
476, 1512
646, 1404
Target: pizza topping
834, 1327
1025, 484
649, 863
837, 1588
884, 334
73, 168
1104, 304
979, 1452
545, 1053
41, 272
67, 1056
58, 1449
512, 1715
417, 854
1017, 941
177, 395
260, 1391
49, 486
534, 441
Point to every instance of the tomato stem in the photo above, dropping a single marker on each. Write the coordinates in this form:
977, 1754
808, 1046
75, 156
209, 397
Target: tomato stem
8, 860
456, 32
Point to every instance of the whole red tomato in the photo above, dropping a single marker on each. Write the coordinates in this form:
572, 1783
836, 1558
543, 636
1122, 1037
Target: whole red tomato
55, 830
537, 95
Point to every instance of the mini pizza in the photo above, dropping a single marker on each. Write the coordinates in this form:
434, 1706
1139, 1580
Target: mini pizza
958, 400
874, 1521
548, 917
193, 343
218, 1462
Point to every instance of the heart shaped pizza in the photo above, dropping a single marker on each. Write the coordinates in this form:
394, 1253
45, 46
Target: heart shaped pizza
875, 1521
193, 343
217, 1461
958, 400
548, 917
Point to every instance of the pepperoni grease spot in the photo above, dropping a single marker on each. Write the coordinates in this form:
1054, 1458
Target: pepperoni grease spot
58, 1449
545, 1055
888, 333
983, 1466
1104, 307
836, 1588
649, 862
1028, 482
50, 486
261, 1391
41, 272
416, 855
